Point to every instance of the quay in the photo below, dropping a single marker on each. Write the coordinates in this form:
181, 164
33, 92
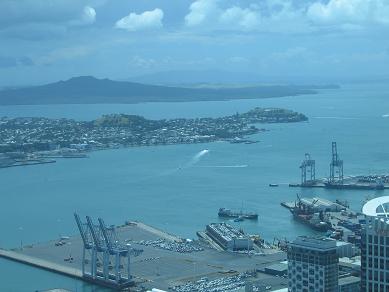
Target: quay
167, 261
344, 223
26, 163
40, 263
349, 184
337, 179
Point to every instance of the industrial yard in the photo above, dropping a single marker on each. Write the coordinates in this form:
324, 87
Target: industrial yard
337, 179
166, 261
343, 223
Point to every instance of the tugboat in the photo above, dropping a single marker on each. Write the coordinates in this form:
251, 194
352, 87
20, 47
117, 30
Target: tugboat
227, 213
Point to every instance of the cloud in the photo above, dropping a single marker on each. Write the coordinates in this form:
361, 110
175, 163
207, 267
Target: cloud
209, 13
291, 53
40, 19
34, 31
42, 11
238, 60
61, 54
287, 15
142, 63
89, 15
202, 11
349, 12
147, 20
245, 18
8, 62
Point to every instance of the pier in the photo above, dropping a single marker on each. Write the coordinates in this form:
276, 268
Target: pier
351, 183
337, 180
345, 224
19, 256
166, 261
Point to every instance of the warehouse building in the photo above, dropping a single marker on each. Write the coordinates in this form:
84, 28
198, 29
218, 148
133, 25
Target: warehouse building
228, 237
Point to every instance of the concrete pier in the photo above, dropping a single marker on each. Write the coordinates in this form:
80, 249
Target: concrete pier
41, 263
161, 265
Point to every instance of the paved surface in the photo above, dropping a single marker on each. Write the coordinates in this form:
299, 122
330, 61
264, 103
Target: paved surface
155, 267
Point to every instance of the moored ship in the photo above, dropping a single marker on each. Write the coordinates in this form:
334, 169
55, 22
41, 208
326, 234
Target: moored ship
306, 215
312, 220
227, 213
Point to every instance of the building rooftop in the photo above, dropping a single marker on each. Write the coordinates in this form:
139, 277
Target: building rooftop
355, 261
375, 207
226, 231
342, 243
278, 267
321, 243
349, 280
316, 202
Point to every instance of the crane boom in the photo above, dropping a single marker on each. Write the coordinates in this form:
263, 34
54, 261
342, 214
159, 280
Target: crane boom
84, 236
94, 235
108, 241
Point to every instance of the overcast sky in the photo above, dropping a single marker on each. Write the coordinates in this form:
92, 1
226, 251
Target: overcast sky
47, 40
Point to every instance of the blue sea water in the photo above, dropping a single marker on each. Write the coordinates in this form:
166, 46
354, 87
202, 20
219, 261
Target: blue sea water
179, 188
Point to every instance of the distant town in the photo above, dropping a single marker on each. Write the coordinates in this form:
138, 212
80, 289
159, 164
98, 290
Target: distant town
36, 140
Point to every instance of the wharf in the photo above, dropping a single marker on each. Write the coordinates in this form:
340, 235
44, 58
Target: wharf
336, 218
157, 267
349, 183
19, 256
352, 185
27, 162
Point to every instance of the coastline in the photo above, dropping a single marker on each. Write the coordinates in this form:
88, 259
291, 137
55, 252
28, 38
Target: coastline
37, 140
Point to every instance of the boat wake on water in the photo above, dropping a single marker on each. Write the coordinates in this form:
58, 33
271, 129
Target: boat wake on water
224, 166
337, 118
198, 156
195, 159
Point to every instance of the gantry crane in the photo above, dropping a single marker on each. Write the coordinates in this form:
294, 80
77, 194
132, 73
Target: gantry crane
308, 170
336, 167
117, 253
105, 248
88, 246
98, 251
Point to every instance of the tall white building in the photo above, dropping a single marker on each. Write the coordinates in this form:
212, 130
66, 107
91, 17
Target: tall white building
375, 246
313, 265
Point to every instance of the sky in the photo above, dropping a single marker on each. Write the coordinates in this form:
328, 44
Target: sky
42, 41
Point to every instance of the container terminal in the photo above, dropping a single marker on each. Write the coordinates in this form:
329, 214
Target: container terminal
138, 257
337, 180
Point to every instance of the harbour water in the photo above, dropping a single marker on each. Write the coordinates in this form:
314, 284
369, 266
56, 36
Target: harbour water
179, 188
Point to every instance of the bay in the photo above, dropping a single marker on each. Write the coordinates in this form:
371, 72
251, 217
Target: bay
178, 190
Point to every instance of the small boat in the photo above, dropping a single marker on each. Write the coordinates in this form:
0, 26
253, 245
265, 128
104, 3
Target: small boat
273, 185
239, 219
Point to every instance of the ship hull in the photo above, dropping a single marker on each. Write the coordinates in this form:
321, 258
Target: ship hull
317, 227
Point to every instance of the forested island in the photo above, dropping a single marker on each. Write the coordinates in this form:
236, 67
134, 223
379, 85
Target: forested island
33, 138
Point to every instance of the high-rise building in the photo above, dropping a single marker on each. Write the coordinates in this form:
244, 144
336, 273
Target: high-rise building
375, 246
313, 265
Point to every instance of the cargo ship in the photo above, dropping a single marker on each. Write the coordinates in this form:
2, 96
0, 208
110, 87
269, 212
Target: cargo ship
312, 220
227, 213
305, 214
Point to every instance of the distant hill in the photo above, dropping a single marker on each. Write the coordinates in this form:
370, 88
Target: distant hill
89, 90
203, 77
195, 77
